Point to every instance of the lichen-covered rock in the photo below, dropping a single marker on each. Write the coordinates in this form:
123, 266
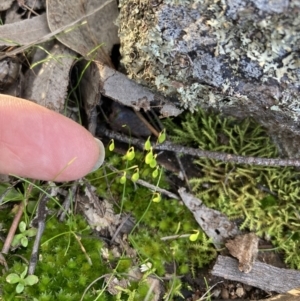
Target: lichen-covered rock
240, 58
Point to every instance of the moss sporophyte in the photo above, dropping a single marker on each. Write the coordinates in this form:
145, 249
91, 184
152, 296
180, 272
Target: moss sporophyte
266, 199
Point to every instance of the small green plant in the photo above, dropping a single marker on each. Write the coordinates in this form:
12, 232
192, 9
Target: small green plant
22, 280
136, 290
265, 197
22, 238
64, 270
163, 226
174, 287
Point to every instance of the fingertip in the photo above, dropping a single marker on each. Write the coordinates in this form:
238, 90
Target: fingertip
101, 155
40, 144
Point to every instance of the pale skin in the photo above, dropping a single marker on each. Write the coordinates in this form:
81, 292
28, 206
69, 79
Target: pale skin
40, 144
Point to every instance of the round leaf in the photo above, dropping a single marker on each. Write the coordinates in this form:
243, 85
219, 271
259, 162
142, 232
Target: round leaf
22, 226
13, 278
31, 280
16, 240
23, 274
24, 241
31, 232
20, 288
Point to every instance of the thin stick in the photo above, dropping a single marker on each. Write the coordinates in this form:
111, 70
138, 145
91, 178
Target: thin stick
147, 124
225, 157
67, 202
125, 219
15, 223
173, 237
148, 185
183, 172
13, 229
41, 219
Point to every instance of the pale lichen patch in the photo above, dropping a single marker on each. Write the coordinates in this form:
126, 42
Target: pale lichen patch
246, 52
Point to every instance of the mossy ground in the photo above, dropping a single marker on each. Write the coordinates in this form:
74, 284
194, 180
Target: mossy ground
64, 270
157, 220
266, 199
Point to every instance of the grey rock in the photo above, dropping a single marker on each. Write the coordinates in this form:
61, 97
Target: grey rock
239, 58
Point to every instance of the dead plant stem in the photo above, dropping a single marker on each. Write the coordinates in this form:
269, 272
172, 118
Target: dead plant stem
147, 185
225, 157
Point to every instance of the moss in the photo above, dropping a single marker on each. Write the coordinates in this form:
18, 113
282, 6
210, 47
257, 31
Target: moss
63, 269
266, 198
166, 218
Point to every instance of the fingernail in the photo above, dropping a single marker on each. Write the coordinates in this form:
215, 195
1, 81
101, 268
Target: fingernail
101, 155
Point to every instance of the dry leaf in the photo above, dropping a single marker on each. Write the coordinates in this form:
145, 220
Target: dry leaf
90, 93
244, 248
48, 86
23, 32
84, 37
100, 215
120, 88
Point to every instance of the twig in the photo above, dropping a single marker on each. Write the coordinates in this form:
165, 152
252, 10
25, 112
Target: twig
263, 276
67, 202
173, 237
13, 229
147, 124
207, 292
225, 157
15, 223
29, 8
124, 221
88, 258
148, 185
156, 118
182, 169
41, 218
